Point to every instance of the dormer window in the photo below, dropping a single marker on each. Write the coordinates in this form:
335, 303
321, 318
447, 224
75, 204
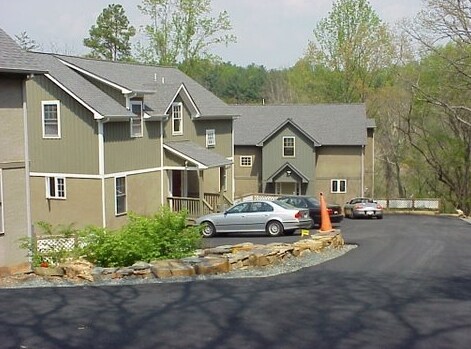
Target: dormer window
177, 119
136, 121
210, 138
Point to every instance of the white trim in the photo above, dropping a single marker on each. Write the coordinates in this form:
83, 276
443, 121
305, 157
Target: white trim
58, 112
200, 165
210, 132
85, 176
246, 156
283, 147
338, 186
106, 82
29, 219
101, 169
56, 188
190, 100
125, 196
180, 132
141, 133
162, 197
96, 115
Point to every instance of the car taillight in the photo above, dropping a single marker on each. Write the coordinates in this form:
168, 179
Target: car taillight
357, 206
298, 215
379, 207
329, 210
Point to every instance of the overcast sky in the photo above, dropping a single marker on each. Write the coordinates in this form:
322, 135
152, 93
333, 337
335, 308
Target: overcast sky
273, 33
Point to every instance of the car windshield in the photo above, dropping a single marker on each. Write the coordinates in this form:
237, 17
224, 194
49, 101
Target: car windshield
313, 202
283, 204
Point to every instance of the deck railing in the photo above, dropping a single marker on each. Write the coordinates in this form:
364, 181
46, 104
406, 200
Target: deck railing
195, 208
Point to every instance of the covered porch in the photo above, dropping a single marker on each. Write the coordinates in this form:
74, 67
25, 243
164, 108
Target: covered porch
197, 180
287, 180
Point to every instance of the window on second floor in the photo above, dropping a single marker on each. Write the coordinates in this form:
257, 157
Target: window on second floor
246, 161
288, 146
177, 119
210, 138
136, 121
51, 119
55, 187
338, 186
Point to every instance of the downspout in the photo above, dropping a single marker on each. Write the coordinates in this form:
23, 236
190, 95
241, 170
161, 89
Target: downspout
373, 166
162, 201
101, 169
362, 170
29, 229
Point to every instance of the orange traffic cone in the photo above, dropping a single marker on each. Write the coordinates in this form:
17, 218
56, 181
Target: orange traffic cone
326, 225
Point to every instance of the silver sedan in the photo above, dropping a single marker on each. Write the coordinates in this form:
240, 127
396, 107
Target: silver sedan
274, 218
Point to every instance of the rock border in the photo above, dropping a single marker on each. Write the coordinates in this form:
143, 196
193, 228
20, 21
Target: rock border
210, 261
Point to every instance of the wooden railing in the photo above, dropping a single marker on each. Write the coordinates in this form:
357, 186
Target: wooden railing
210, 204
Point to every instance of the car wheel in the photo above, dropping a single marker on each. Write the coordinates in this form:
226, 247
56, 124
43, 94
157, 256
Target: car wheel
274, 228
208, 229
289, 232
380, 217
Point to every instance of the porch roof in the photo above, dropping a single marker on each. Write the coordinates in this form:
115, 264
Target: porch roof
293, 168
198, 155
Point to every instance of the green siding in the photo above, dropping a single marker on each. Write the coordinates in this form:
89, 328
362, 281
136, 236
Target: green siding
126, 153
77, 149
272, 153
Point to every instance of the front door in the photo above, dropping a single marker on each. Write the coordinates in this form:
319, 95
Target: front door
287, 188
176, 183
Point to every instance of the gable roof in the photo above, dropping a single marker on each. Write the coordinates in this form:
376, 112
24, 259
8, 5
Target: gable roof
288, 121
157, 80
93, 98
288, 165
328, 124
13, 59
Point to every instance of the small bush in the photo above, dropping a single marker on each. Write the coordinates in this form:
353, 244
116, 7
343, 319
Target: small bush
162, 236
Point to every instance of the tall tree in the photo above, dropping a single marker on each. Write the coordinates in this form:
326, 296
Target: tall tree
25, 42
439, 126
353, 43
110, 37
182, 31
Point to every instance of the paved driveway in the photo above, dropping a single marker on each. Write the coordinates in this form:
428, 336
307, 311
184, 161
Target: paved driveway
408, 285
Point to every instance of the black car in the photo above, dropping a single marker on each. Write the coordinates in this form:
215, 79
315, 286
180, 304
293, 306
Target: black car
314, 206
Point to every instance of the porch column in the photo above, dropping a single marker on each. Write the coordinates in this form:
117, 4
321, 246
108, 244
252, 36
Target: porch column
201, 191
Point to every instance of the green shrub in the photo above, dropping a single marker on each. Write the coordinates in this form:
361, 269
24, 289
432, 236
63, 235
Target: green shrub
162, 236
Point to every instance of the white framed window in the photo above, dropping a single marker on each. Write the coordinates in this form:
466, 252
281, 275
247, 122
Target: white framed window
55, 188
1, 204
210, 138
177, 119
120, 195
246, 161
288, 147
51, 119
137, 120
338, 186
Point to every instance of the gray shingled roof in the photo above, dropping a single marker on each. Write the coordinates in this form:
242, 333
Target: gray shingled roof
329, 124
91, 95
198, 154
161, 80
15, 60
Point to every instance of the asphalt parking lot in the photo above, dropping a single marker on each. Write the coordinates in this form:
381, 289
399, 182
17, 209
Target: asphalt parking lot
407, 285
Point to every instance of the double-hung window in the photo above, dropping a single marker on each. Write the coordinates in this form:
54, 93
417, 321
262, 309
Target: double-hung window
246, 161
136, 121
177, 119
55, 188
210, 138
120, 195
338, 186
51, 119
288, 147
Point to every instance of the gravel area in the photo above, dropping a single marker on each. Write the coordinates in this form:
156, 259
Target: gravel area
291, 265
